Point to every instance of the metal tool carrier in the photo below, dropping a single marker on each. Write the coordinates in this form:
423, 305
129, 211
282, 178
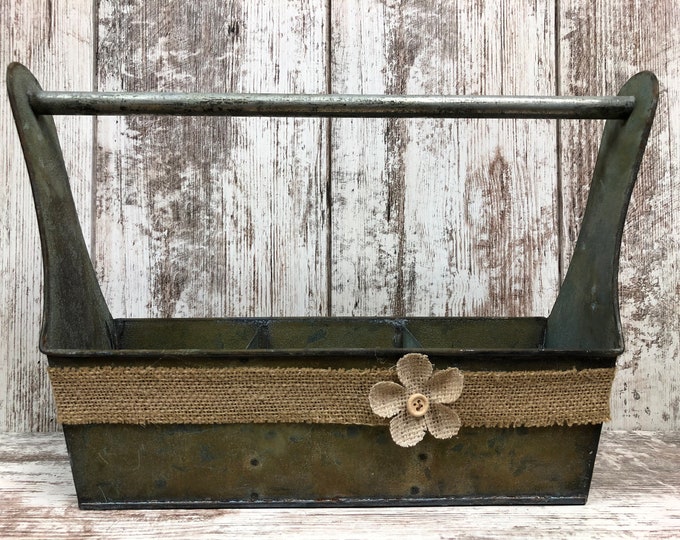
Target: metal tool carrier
332, 411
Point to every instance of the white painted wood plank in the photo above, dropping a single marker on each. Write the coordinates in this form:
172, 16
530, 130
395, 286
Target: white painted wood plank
601, 45
54, 40
635, 493
212, 217
446, 217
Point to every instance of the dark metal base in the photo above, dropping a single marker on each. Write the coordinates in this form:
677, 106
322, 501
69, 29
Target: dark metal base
300, 465
347, 503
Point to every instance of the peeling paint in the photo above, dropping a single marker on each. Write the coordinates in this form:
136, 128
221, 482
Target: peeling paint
214, 199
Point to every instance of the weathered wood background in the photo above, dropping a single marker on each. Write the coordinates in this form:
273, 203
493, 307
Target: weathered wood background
196, 217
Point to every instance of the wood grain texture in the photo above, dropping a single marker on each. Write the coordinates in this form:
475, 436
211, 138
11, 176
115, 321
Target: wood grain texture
196, 217
634, 493
212, 217
601, 45
54, 40
453, 217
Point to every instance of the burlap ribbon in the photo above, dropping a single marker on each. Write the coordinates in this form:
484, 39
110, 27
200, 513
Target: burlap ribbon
214, 395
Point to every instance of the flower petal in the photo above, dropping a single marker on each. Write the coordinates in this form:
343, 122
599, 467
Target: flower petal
387, 398
442, 421
407, 430
413, 370
445, 386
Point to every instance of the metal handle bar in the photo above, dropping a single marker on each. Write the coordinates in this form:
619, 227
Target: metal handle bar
330, 105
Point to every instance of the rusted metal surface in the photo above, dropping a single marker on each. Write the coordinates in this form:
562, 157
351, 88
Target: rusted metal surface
299, 464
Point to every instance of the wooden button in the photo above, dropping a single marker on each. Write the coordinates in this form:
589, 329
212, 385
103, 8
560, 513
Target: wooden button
417, 405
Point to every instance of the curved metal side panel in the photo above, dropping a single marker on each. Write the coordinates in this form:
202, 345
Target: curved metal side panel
586, 313
75, 315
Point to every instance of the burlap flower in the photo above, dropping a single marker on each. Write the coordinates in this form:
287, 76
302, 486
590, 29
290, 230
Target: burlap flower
419, 405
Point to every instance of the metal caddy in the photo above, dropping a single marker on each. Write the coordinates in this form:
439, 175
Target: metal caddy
168, 413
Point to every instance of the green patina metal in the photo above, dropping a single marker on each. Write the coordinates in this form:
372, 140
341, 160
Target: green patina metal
307, 465
119, 466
